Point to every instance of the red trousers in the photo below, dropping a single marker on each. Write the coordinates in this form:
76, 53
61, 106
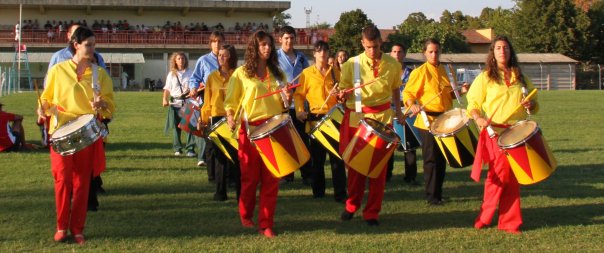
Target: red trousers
356, 186
501, 188
72, 176
254, 172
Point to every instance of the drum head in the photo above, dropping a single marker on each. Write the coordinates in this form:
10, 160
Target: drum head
518, 134
449, 122
269, 126
381, 129
73, 125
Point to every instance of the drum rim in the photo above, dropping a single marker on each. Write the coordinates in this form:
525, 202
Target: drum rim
396, 139
513, 145
70, 123
316, 127
441, 135
215, 125
286, 120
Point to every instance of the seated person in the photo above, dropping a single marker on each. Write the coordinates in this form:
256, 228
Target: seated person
12, 138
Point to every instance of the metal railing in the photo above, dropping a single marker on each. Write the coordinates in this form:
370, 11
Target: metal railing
136, 37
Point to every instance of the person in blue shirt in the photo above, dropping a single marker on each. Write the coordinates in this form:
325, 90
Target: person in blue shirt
399, 51
66, 54
293, 62
206, 64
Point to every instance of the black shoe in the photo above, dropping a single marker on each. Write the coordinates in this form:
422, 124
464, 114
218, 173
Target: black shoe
340, 199
412, 182
438, 202
346, 216
372, 222
218, 197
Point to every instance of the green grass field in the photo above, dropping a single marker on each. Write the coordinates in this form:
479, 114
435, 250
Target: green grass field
156, 202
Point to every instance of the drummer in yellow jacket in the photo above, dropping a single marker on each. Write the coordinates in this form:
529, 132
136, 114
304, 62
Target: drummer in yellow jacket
212, 112
429, 86
316, 83
494, 95
260, 74
70, 93
375, 103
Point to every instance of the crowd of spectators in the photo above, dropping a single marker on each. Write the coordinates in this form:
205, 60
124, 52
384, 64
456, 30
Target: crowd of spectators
123, 25
57, 28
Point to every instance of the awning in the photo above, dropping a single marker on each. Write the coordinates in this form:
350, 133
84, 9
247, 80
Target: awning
114, 58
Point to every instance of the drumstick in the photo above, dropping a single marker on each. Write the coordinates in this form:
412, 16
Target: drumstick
424, 105
328, 96
527, 98
451, 77
37, 93
277, 91
360, 86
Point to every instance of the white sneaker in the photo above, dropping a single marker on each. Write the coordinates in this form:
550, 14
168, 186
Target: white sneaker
177, 153
201, 163
191, 154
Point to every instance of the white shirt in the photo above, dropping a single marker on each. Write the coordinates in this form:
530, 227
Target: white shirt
172, 82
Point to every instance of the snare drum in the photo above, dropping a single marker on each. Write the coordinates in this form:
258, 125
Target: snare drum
529, 155
77, 134
455, 137
189, 116
327, 131
221, 135
280, 146
409, 134
370, 148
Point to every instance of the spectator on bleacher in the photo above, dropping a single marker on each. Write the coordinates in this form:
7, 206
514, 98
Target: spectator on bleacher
126, 25
237, 27
96, 25
84, 23
204, 27
36, 25
51, 35
219, 27
47, 26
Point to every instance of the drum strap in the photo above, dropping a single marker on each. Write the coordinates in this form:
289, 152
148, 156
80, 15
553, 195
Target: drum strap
358, 106
96, 87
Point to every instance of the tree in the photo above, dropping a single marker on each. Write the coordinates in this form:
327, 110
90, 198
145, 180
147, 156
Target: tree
281, 19
348, 31
550, 26
417, 28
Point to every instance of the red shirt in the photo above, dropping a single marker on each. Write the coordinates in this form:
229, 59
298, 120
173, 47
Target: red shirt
6, 139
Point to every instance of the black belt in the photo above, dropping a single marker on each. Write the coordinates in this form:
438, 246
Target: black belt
434, 114
315, 117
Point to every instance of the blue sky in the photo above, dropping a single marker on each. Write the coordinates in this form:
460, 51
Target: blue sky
385, 13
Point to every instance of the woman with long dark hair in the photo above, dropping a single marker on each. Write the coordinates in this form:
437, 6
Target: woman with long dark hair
495, 94
259, 75
212, 112
70, 93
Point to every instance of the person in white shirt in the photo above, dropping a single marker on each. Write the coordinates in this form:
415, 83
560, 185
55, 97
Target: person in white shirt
175, 91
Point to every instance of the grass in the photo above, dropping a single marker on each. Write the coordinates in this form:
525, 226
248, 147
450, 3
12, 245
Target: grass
159, 203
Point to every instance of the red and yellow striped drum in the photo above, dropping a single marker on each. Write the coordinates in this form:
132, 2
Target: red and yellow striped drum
371, 147
222, 137
327, 131
280, 146
529, 155
455, 137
